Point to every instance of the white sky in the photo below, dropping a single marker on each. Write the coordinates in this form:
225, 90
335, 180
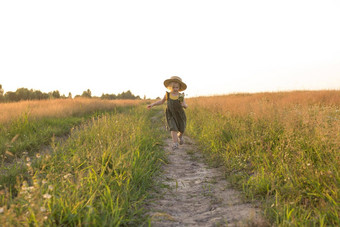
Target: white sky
217, 47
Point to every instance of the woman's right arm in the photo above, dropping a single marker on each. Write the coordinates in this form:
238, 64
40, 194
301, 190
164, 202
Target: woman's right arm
157, 103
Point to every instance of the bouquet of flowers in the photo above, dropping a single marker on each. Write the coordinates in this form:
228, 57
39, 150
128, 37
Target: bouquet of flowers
181, 97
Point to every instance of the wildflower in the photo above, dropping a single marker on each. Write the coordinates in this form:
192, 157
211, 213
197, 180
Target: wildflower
47, 196
38, 155
28, 159
67, 175
308, 164
44, 181
1, 210
35, 183
42, 209
50, 187
24, 186
28, 164
181, 97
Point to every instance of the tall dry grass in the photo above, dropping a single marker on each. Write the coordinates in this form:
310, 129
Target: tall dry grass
58, 107
262, 103
282, 147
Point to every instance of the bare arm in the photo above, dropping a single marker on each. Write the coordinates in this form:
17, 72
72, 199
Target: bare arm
184, 104
160, 102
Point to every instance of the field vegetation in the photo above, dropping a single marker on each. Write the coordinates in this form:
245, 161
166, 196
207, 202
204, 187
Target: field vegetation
58, 108
281, 148
27, 129
26, 126
98, 175
101, 156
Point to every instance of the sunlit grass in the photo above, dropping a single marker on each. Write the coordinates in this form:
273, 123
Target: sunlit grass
25, 126
98, 177
58, 107
32, 125
281, 147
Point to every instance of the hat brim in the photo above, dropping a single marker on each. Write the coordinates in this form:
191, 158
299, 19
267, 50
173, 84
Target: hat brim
182, 87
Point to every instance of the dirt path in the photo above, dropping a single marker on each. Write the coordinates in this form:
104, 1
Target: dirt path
197, 195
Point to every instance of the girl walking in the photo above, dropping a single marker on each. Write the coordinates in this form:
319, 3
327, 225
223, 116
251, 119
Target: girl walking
175, 115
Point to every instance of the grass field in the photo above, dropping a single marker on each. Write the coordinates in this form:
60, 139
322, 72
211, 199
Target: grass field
58, 108
97, 177
101, 157
282, 148
25, 126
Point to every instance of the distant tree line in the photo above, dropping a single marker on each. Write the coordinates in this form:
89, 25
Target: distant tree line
124, 95
30, 94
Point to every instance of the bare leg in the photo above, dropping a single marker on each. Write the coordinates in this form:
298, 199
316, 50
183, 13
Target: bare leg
174, 140
180, 138
174, 136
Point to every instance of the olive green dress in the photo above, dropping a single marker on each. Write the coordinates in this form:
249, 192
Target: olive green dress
175, 115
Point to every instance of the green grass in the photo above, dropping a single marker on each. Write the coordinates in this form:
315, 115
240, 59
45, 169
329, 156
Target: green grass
101, 173
26, 136
292, 167
98, 177
23, 135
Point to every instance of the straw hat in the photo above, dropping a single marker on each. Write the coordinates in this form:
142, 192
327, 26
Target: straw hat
177, 79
